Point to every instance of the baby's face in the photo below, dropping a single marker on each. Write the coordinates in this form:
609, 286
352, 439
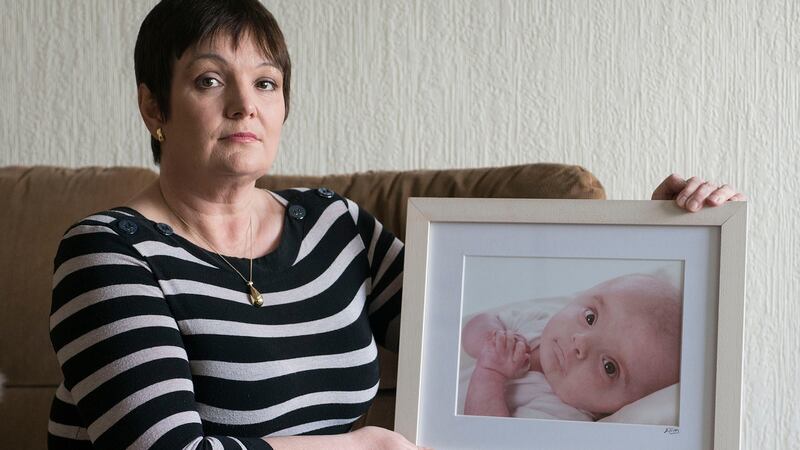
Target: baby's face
602, 352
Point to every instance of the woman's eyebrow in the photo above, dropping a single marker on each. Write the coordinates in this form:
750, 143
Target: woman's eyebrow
212, 56
218, 58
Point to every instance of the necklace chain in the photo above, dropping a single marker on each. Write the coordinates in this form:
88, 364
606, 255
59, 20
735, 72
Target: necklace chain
255, 296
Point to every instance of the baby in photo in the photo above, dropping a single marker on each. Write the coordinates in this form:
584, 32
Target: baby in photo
609, 346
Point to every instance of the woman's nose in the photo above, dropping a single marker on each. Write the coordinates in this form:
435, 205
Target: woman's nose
240, 102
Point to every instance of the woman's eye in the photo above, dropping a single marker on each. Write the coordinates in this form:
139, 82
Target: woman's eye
266, 85
589, 316
609, 367
208, 82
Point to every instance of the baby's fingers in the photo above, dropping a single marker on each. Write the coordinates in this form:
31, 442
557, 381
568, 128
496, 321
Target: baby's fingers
501, 342
520, 352
497, 341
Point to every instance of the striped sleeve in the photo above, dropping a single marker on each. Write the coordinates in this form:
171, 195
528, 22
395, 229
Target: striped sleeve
385, 256
126, 372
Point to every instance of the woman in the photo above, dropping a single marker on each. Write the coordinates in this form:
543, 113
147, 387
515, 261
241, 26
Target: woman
157, 316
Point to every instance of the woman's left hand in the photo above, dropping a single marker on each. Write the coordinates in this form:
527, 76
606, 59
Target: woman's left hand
695, 193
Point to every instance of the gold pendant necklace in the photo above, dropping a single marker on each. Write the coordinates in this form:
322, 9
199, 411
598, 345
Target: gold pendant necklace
256, 298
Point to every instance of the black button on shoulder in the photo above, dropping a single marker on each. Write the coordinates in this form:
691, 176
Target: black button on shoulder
325, 192
297, 212
128, 226
164, 229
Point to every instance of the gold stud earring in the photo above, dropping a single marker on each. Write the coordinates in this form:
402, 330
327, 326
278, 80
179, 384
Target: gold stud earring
160, 135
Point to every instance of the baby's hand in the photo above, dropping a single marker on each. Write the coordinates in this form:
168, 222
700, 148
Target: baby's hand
506, 353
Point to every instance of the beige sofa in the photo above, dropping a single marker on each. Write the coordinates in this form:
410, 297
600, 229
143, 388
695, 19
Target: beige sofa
39, 203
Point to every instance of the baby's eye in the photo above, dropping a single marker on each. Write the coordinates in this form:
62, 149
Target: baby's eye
207, 82
266, 85
589, 316
610, 368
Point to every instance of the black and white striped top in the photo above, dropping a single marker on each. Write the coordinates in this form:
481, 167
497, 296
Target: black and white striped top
160, 347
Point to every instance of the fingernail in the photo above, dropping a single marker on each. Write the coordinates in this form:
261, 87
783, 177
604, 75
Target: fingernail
681, 200
693, 204
716, 198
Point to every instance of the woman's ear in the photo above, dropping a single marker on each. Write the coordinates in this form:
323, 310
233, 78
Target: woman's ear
149, 109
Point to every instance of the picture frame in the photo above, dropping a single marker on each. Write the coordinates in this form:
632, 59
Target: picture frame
449, 240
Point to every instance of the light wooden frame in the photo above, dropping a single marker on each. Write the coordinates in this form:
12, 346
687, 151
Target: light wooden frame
731, 219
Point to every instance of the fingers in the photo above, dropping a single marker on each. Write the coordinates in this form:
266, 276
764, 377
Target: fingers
692, 184
723, 194
696, 199
505, 353
739, 197
494, 341
720, 195
520, 352
694, 193
498, 340
669, 187
506, 342
699, 193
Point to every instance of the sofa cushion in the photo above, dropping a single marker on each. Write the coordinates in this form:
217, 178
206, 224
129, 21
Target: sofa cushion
25, 413
40, 204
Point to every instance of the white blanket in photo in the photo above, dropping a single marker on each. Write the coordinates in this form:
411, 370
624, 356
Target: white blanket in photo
532, 398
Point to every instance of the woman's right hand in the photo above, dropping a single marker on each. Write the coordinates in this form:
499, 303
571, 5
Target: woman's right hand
376, 438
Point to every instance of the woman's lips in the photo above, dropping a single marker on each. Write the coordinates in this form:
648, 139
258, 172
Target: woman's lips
244, 137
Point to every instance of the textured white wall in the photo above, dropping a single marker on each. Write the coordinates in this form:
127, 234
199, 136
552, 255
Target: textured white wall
631, 90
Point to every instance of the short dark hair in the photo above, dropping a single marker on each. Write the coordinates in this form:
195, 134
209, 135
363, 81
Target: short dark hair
173, 26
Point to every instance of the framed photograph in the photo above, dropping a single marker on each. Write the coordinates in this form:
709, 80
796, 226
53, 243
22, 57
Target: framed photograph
571, 324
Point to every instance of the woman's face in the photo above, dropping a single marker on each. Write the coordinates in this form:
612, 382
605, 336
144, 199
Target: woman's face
226, 111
